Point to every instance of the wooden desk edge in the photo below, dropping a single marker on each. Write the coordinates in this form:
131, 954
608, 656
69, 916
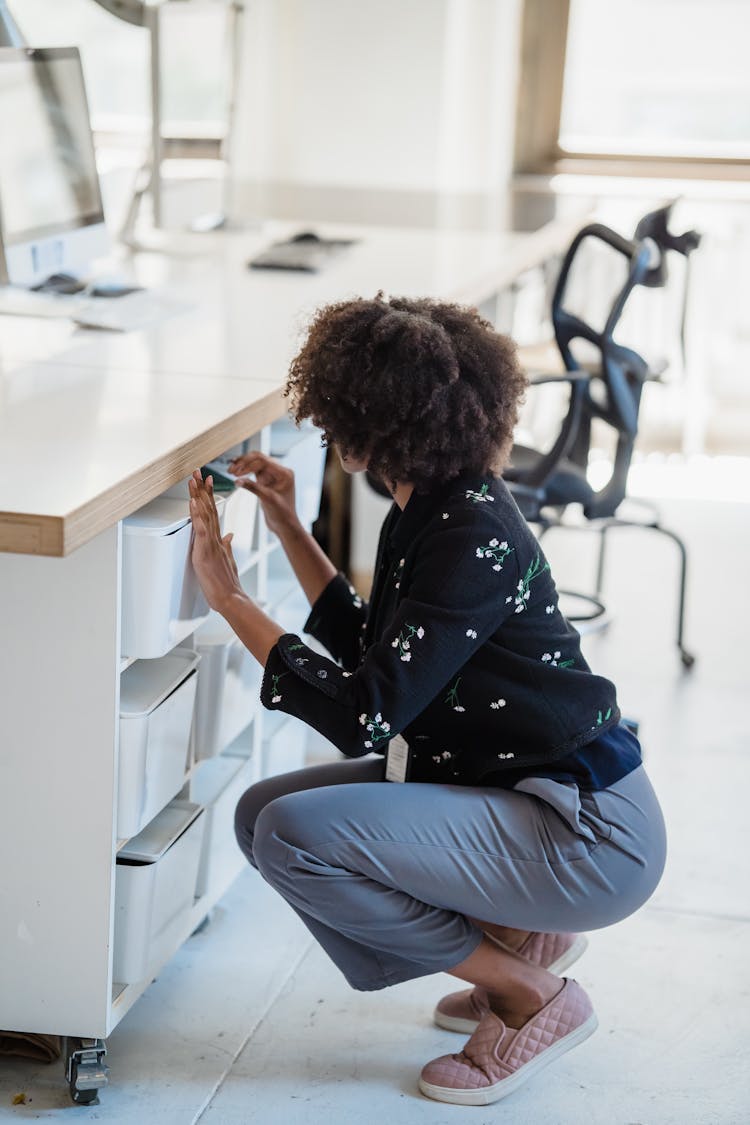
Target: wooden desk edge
56, 536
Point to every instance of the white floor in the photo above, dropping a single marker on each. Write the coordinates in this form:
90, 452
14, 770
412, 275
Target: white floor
251, 1024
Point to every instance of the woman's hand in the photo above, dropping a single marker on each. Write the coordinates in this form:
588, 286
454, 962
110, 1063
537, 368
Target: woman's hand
274, 487
213, 561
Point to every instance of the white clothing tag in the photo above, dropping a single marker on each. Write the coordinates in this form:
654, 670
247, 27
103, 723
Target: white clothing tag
397, 759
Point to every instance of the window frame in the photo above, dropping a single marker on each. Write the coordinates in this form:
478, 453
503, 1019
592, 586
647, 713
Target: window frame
537, 149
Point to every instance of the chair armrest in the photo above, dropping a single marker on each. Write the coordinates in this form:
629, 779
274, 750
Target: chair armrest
568, 377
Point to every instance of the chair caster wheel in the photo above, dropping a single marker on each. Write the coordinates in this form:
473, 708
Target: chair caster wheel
687, 658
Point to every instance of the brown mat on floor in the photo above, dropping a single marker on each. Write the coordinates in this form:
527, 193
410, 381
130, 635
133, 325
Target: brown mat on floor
41, 1048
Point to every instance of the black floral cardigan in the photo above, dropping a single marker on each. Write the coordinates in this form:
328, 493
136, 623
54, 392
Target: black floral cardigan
462, 648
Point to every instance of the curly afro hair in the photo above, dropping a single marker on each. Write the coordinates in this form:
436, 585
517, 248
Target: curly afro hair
423, 390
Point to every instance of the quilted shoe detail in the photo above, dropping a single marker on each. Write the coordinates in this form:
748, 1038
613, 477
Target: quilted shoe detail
554, 952
497, 1059
462, 1011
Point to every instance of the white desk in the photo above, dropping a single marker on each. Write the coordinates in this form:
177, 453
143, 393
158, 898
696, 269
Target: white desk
92, 426
98, 423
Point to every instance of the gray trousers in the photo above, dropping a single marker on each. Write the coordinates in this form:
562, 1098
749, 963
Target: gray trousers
386, 875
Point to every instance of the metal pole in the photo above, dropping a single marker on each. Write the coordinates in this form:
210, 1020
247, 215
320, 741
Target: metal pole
153, 24
235, 32
10, 34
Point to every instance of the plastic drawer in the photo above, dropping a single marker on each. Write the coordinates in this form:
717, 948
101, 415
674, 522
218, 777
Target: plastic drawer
285, 745
154, 891
228, 694
161, 600
156, 711
218, 786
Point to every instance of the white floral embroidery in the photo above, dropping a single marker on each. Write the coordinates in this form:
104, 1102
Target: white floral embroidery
347, 674
496, 551
445, 515
403, 641
480, 497
497, 703
553, 659
506, 755
356, 600
471, 633
322, 674
549, 609
376, 727
452, 696
524, 593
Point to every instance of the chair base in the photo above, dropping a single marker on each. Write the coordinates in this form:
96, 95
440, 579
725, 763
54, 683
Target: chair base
603, 525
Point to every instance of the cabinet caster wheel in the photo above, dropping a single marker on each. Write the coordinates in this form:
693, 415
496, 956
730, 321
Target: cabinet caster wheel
80, 1097
85, 1070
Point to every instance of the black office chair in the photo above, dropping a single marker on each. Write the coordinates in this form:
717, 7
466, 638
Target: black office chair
608, 389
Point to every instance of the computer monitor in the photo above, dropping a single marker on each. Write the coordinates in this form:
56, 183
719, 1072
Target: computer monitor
51, 216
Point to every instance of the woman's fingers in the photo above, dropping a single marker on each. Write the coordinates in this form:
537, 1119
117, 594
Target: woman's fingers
250, 462
203, 505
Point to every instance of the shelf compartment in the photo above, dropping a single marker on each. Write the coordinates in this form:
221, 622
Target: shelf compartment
228, 694
284, 744
217, 785
156, 711
154, 890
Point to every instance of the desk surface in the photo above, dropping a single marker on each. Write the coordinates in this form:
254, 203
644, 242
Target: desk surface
94, 424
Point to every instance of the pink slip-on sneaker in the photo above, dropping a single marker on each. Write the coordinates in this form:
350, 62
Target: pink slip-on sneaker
462, 1011
497, 1059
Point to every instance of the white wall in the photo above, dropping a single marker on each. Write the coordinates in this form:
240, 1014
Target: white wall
396, 111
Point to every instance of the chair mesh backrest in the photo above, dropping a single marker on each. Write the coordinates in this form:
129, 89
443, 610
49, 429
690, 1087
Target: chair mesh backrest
598, 276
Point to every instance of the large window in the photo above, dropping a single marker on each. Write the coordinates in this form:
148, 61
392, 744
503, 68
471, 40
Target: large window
657, 77
644, 82
115, 62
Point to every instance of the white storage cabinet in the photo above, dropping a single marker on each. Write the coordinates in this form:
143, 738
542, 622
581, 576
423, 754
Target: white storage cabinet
142, 831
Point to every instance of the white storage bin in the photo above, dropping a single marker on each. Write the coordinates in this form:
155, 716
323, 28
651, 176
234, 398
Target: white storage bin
240, 512
156, 711
285, 744
218, 786
228, 694
301, 451
154, 891
162, 602
285, 602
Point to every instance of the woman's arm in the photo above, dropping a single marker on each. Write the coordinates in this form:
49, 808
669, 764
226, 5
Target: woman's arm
216, 570
338, 613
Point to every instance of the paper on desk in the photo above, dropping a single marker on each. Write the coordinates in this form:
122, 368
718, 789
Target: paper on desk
128, 313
